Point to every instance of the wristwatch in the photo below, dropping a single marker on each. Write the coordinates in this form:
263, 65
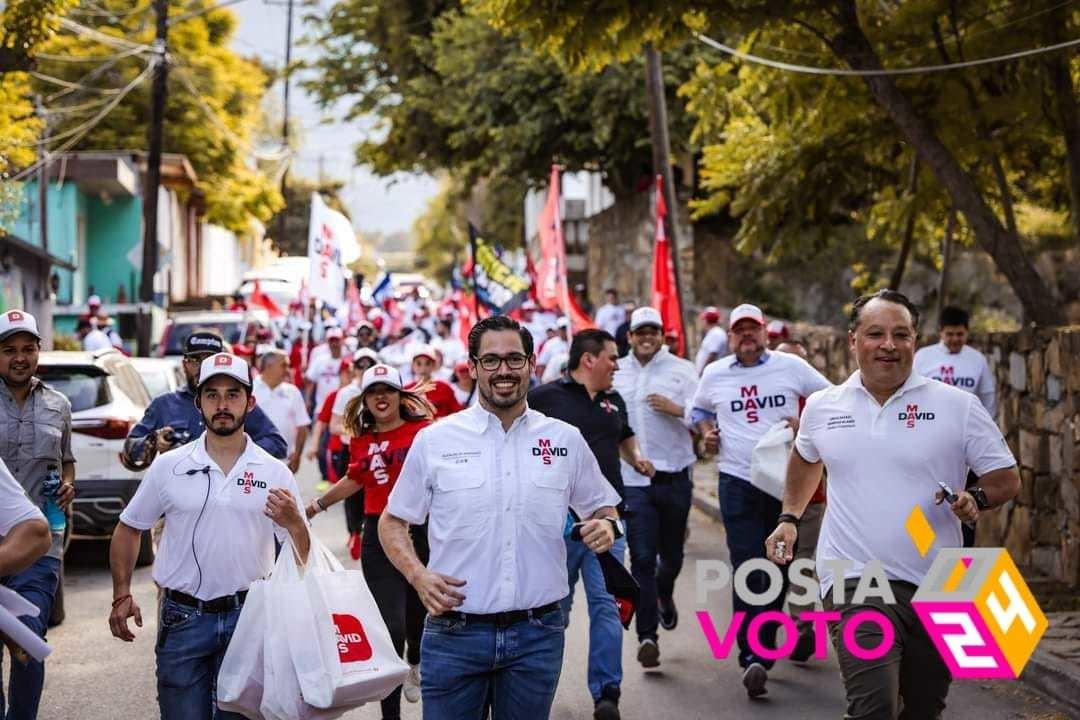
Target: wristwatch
617, 526
979, 496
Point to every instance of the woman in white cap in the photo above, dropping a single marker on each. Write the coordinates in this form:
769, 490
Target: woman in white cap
382, 422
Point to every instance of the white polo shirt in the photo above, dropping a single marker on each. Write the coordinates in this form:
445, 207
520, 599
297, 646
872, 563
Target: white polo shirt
967, 370
747, 401
714, 342
664, 439
15, 506
233, 540
285, 407
325, 372
883, 460
609, 317
496, 503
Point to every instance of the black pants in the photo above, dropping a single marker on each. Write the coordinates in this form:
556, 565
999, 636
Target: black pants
398, 603
910, 681
656, 528
354, 512
968, 531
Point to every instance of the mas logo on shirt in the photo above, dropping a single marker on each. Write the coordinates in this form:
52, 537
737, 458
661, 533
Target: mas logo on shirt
912, 414
545, 451
247, 481
750, 402
947, 375
352, 642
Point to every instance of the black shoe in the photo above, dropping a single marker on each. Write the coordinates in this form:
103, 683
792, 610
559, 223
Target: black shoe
754, 678
804, 647
669, 614
606, 709
648, 653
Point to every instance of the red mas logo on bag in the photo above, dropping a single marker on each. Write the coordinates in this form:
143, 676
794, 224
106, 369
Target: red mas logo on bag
352, 642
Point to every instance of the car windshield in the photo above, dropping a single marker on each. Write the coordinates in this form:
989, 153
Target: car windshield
157, 382
85, 388
230, 331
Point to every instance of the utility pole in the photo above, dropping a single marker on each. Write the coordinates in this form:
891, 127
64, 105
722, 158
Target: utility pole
661, 156
153, 177
285, 121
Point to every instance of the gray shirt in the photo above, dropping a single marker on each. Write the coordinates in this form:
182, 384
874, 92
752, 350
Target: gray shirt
34, 437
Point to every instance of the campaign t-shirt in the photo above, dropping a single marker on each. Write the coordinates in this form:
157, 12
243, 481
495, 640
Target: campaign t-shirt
376, 459
747, 401
442, 397
966, 370
325, 372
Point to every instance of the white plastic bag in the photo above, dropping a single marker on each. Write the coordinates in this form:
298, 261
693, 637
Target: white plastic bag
240, 680
340, 646
769, 459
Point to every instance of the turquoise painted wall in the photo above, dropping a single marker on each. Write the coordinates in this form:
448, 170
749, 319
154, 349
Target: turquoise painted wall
66, 204
113, 230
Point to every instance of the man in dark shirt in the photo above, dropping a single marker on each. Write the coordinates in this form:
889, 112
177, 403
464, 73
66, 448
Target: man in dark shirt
584, 399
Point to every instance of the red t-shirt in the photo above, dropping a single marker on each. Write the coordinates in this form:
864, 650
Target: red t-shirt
325, 413
442, 397
375, 459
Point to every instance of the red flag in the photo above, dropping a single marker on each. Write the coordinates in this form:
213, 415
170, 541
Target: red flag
665, 295
258, 297
550, 284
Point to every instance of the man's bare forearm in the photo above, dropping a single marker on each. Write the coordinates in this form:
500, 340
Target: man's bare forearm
604, 512
398, 546
123, 550
22, 547
802, 480
629, 450
1000, 486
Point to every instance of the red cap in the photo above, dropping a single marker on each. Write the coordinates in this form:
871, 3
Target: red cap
710, 314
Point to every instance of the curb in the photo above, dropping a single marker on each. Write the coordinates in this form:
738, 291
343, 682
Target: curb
1054, 677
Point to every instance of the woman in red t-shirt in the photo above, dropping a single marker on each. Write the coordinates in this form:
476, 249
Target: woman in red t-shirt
383, 420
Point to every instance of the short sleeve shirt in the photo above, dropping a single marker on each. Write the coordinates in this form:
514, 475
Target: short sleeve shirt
747, 401
715, 342
376, 459
884, 460
15, 507
325, 372
285, 407
966, 369
496, 503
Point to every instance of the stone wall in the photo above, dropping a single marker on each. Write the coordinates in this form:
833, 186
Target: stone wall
1037, 373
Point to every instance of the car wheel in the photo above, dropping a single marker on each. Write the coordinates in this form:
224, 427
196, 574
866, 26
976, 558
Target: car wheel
147, 549
56, 615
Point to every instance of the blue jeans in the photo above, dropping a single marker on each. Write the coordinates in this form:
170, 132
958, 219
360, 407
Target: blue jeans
466, 667
190, 647
656, 526
749, 517
36, 584
605, 628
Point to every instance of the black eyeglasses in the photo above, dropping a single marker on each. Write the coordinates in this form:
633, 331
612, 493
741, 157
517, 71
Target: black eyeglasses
491, 363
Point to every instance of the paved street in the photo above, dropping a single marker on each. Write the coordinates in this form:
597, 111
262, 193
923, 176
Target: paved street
94, 677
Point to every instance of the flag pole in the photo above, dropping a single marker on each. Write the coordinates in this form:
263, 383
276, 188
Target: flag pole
472, 271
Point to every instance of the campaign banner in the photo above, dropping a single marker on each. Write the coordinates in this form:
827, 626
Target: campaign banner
331, 240
497, 286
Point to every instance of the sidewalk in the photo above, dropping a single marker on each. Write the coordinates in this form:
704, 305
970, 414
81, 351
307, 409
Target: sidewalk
1053, 670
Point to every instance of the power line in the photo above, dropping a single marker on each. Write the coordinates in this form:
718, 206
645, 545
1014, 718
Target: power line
74, 85
101, 37
846, 72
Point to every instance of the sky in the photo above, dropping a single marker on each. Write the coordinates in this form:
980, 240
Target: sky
381, 204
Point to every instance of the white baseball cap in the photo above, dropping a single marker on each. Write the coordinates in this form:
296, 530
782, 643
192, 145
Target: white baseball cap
93, 301
424, 350
17, 321
777, 328
365, 353
334, 333
225, 364
381, 374
563, 322
746, 311
645, 316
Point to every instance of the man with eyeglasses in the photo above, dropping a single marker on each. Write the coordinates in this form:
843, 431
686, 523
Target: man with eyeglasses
495, 482
172, 419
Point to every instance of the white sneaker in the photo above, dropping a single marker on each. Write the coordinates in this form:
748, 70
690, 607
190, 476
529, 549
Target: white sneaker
411, 687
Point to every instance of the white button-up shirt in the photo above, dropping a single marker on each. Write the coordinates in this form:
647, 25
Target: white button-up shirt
285, 406
217, 540
496, 503
883, 460
664, 439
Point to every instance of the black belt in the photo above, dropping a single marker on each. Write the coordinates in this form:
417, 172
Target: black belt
501, 619
217, 605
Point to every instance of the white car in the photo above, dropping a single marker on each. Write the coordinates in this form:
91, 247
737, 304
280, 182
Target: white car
108, 398
160, 375
234, 327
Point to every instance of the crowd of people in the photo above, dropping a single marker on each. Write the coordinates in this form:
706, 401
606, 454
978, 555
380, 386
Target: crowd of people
484, 473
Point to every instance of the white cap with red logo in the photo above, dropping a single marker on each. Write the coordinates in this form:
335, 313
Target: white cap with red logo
225, 364
746, 311
381, 374
777, 328
334, 333
17, 321
424, 350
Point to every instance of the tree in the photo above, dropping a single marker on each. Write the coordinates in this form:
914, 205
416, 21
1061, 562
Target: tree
298, 192
213, 111
982, 133
24, 25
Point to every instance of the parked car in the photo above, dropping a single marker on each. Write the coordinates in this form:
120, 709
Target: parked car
107, 399
160, 375
234, 328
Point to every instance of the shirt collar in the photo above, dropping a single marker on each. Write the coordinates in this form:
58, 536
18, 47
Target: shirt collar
761, 360
477, 418
658, 357
201, 457
913, 381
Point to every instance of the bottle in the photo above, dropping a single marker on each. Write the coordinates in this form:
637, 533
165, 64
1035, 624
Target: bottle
53, 513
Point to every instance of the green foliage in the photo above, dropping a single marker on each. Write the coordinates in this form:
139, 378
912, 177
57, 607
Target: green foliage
24, 25
231, 88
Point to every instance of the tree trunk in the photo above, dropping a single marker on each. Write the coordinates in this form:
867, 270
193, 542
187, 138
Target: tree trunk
946, 262
1063, 101
852, 46
909, 227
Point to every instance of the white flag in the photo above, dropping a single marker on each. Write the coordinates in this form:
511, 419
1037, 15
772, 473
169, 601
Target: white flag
331, 243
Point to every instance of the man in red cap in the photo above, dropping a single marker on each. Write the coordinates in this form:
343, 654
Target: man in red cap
714, 341
777, 331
